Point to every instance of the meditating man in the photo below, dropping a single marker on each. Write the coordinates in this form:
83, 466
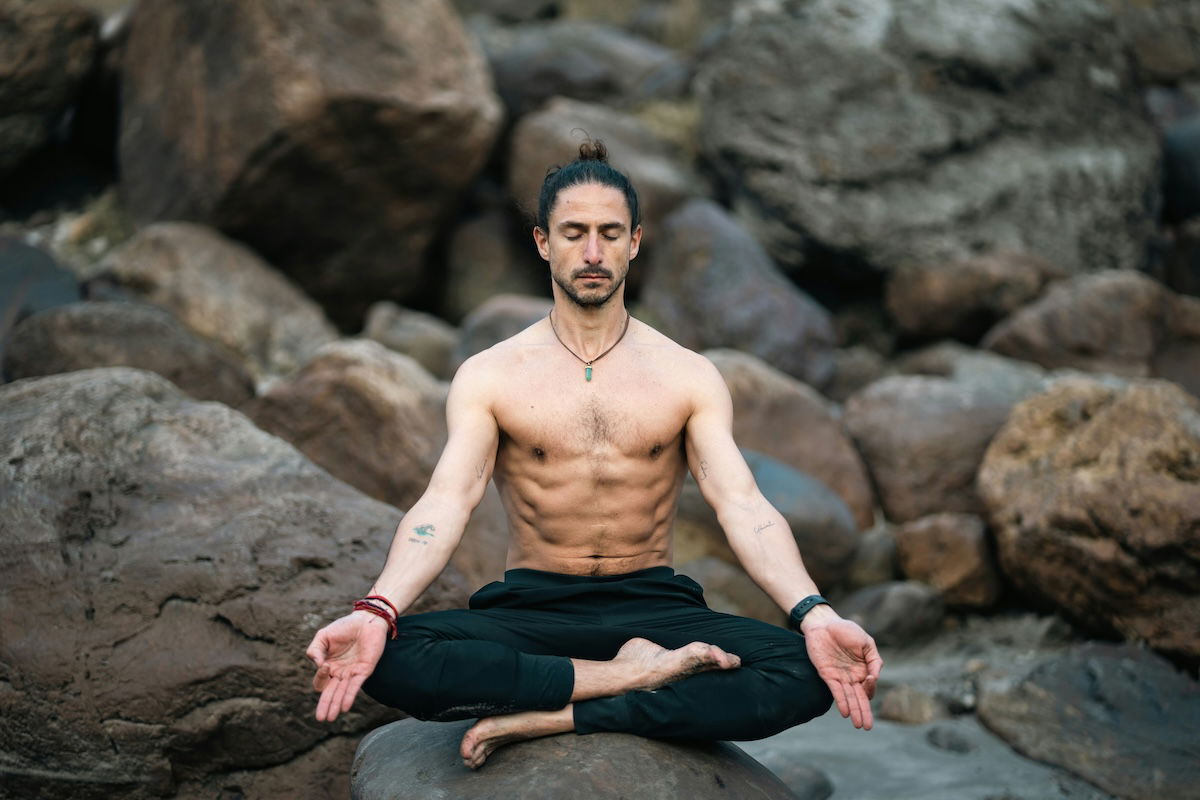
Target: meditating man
587, 421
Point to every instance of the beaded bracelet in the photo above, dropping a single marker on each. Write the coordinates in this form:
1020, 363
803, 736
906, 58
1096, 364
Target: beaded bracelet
365, 605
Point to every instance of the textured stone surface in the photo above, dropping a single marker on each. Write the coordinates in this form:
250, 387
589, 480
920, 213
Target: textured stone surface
414, 333
486, 257
1117, 716
222, 291
333, 138
411, 759
910, 706
778, 416
710, 284
108, 334
950, 553
181, 560
910, 132
1093, 492
894, 613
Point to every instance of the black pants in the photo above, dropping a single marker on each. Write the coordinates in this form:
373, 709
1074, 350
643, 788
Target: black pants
511, 650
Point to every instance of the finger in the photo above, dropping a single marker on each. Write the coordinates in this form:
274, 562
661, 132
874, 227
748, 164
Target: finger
321, 679
335, 701
852, 702
839, 697
874, 663
352, 687
316, 650
323, 704
864, 703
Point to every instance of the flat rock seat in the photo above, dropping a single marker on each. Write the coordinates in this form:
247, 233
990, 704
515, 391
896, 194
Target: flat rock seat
413, 759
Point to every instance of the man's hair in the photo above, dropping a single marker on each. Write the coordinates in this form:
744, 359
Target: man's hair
590, 167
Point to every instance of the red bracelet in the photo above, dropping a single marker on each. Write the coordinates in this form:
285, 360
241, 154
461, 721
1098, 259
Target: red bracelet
386, 602
363, 605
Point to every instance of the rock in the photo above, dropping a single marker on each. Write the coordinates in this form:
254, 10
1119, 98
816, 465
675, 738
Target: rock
412, 759
950, 553
966, 298
224, 292
683, 25
1117, 322
551, 136
730, 590
496, 320
333, 139
780, 417
909, 132
947, 738
875, 559
30, 281
854, 368
923, 439
820, 522
182, 559
587, 61
485, 259
510, 11
422, 336
1093, 492
1162, 39
894, 613
46, 52
1003, 377
910, 706
1117, 716
107, 334
712, 285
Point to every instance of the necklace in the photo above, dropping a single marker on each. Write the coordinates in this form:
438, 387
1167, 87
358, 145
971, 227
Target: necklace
587, 365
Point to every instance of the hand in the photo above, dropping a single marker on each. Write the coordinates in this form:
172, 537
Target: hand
345, 652
847, 660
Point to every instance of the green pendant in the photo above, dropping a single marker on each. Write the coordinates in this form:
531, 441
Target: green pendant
587, 372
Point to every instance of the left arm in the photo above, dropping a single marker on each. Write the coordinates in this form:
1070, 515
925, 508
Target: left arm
844, 655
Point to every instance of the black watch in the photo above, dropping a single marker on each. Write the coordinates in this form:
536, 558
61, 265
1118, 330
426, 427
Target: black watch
803, 607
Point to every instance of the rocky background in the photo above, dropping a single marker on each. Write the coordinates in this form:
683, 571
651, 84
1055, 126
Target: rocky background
946, 255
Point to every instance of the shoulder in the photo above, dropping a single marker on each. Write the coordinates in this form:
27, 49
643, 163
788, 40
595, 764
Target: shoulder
489, 367
685, 368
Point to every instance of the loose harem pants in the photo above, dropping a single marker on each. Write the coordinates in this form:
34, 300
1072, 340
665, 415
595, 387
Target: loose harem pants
511, 652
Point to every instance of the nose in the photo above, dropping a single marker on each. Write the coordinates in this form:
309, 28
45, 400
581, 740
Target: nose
591, 253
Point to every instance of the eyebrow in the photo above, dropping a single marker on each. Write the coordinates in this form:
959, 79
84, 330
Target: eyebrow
606, 226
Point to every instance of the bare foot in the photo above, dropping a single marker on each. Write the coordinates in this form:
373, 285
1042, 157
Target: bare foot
491, 732
657, 666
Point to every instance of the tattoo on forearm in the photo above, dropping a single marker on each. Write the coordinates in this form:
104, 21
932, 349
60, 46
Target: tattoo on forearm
479, 470
703, 469
762, 526
424, 530
415, 540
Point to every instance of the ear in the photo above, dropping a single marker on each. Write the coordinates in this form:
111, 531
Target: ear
542, 240
635, 242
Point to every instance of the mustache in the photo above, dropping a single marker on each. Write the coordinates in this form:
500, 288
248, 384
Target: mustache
579, 273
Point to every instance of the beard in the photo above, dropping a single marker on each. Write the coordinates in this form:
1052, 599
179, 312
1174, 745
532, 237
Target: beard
593, 301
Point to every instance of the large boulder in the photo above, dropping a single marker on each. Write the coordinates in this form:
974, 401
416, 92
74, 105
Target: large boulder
1093, 491
899, 133
487, 256
221, 290
333, 138
1115, 715
951, 553
428, 339
164, 565
711, 284
45, 53
112, 334
895, 613
412, 760
787, 420
1119, 322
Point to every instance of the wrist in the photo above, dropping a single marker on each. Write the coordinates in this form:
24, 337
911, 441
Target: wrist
809, 612
821, 615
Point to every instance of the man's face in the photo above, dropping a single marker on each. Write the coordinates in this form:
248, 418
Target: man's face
589, 244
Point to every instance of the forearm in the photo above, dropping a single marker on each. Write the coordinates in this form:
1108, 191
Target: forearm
420, 550
763, 542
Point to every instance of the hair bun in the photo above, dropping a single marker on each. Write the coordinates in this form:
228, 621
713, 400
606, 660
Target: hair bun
593, 150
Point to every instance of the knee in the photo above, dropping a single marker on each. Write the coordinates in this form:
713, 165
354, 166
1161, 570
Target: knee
402, 681
800, 693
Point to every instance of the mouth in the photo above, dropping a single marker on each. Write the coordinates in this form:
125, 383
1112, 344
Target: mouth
593, 276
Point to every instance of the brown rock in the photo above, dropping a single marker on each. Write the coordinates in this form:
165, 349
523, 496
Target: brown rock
911, 706
1093, 492
780, 417
105, 334
711, 285
181, 559
950, 553
875, 558
45, 53
966, 298
331, 138
730, 590
414, 333
1120, 322
223, 292
486, 259
854, 368
496, 320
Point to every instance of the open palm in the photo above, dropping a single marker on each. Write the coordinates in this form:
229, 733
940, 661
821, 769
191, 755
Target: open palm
847, 660
345, 652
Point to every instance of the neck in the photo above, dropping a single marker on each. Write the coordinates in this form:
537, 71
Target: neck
588, 330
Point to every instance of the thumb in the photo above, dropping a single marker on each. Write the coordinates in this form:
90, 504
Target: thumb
316, 651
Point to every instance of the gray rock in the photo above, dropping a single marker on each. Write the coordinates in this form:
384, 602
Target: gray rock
728, 589
182, 559
108, 334
487, 259
894, 613
422, 336
1117, 716
854, 368
411, 759
30, 281
496, 320
947, 738
875, 559
710, 284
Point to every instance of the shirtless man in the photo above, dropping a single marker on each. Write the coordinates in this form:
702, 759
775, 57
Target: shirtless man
587, 421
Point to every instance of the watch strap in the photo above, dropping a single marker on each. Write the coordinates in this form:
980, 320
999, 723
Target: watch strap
803, 607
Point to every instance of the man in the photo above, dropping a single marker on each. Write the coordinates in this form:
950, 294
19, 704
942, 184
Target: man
587, 421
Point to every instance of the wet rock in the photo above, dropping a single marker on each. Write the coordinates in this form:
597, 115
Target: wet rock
1093, 492
485, 259
730, 590
894, 613
222, 291
710, 284
950, 553
1117, 716
496, 320
422, 336
411, 759
780, 417
334, 139
47, 50
919, 132
946, 738
183, 560
1118, 322
107, 334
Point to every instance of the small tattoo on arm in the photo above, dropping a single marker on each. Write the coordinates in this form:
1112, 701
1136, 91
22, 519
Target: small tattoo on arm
479, 470
415, 540
424, 530
703, 469
762, 526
